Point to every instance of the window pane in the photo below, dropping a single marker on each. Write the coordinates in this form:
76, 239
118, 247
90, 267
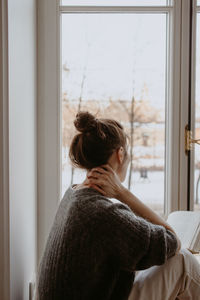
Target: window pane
116, 72
197, 122
117, 2
198, 2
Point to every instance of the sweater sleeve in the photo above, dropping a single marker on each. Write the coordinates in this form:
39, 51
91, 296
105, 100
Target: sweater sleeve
163, 245
135, 243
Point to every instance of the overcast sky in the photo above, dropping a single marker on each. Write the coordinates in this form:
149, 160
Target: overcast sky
121, 54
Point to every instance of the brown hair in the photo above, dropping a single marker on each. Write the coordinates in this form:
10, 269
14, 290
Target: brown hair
96, 141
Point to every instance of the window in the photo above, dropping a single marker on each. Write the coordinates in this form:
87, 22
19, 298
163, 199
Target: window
92, 44
117, 64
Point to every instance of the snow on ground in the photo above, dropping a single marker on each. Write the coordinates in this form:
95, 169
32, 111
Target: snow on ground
150, 190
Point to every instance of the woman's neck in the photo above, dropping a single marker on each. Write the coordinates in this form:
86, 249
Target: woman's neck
82, 185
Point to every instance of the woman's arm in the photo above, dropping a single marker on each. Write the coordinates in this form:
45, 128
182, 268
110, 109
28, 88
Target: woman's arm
106, 181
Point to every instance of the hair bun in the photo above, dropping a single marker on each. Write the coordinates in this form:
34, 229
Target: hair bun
85, 122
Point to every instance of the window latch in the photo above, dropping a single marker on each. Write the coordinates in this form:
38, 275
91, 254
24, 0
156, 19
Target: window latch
189, 140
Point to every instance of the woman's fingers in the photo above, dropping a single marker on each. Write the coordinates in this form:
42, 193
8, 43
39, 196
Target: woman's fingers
104, 180
104, 169
92, 174
100, 181
108, 168
97, 174
99, 170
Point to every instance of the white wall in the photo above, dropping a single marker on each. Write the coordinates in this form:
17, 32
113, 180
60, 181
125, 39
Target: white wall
22, 143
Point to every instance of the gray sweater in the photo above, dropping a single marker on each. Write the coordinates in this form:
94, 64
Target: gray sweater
95, 246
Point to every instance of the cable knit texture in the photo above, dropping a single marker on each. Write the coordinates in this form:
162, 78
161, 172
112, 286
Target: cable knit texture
95, 246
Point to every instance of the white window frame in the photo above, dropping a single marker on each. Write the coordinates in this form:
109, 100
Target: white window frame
49, 106
184, 193
191, 168
4, 157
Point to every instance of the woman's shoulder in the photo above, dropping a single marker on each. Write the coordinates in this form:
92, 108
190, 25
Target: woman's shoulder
90, 201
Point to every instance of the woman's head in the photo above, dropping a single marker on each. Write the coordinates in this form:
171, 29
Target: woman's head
98, 141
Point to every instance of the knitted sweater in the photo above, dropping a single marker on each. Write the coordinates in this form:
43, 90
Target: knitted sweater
95, 246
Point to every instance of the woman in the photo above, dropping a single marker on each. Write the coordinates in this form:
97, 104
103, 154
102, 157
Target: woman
95, 246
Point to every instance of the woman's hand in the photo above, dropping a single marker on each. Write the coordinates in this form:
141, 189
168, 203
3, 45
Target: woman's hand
105, 181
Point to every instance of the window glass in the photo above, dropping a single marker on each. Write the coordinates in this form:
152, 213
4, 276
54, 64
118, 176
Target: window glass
114, 65
198, 2
117, 2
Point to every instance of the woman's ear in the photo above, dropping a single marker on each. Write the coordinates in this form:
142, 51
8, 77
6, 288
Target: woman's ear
120, 155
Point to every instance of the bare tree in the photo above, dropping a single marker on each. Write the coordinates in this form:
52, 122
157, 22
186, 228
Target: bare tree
131, 114
81, 95
136, 51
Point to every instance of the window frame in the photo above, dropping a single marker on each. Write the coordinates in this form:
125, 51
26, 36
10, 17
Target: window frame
4, 156
48, 118
49, 110
191, 115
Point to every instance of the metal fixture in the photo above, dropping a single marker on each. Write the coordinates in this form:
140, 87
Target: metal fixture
189, 140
